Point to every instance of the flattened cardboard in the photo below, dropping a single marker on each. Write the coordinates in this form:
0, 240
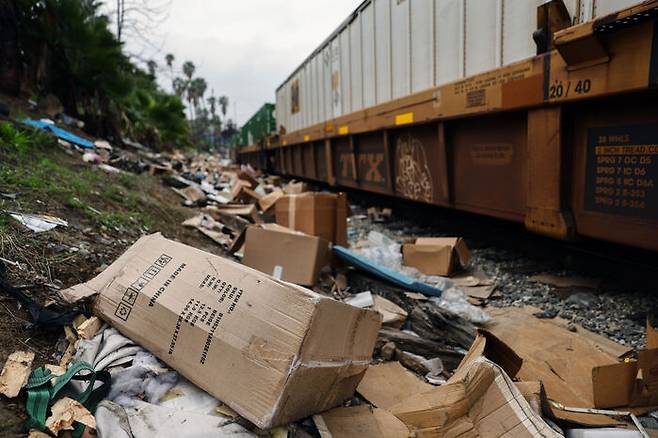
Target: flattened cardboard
436, 255
297, 256
272, 351
359, 422
384, 385
318, 214
563, 361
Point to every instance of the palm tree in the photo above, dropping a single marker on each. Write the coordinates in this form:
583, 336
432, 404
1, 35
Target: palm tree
152, 66
188, 69
223, 104
212, 101
200, 85
170, 60
180, 86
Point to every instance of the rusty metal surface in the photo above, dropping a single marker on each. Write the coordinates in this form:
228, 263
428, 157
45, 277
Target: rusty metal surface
488, 164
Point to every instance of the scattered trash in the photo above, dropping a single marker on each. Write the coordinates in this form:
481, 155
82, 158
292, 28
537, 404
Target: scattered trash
38, 223
259, 322
387, 384
60, 133
358, 422
66, 412
303, 255
436, 255
318, 214
378, 270
15, 372
12, 196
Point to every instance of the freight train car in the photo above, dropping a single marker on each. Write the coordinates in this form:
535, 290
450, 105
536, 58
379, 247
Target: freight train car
541, 112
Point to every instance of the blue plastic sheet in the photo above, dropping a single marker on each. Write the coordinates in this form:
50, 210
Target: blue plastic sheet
60, 133
390, 275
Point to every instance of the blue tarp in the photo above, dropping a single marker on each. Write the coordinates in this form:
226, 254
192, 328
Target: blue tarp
60, 133
398, 279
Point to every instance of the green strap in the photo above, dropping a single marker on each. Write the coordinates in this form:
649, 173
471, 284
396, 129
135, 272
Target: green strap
40, 393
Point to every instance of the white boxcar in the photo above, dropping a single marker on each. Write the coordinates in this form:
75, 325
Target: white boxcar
389, 49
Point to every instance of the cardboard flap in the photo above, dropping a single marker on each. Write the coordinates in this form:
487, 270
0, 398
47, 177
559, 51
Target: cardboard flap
463, 253
613, 384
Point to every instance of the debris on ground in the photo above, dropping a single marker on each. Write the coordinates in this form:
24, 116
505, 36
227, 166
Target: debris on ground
15, 373
38, 223
298, 313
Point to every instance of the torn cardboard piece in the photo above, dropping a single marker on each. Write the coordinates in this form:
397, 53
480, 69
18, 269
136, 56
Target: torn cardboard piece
563, 361
359, 422
268, 201
629, 383
245, 211
206, 225
436, 255
15, 373
89, 328
272, 351
386, 384
192, 194
296, 256
392, 314
67, 411
318, 214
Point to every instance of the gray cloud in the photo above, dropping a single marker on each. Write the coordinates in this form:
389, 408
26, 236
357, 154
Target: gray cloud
245, 49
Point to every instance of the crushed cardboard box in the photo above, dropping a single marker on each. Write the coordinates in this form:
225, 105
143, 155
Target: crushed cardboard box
479, 400
272, 351
285, 254
436, 255
318, 214
563, 361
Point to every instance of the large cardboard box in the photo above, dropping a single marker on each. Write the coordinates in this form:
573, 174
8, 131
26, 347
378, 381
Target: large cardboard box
274, 352
318, 214
436, 255
292, 255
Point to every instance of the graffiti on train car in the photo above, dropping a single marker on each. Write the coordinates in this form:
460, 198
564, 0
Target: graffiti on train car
413, 178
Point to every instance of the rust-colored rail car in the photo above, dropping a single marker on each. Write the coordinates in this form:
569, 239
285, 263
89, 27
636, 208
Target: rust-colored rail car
565, 142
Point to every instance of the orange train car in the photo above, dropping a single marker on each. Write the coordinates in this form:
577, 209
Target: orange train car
565, 141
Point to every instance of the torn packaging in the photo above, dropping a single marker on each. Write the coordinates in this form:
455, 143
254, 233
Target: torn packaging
480, 400
436, 255
318, 214
298, 256
359, 422
272, 351
630, 383
563, 361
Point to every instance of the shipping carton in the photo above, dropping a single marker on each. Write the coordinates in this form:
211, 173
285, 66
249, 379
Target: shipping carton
286, 254
272, 351
318, 214
436, 255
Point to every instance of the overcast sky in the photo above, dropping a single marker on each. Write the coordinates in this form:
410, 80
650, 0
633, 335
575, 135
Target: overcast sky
245, 49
